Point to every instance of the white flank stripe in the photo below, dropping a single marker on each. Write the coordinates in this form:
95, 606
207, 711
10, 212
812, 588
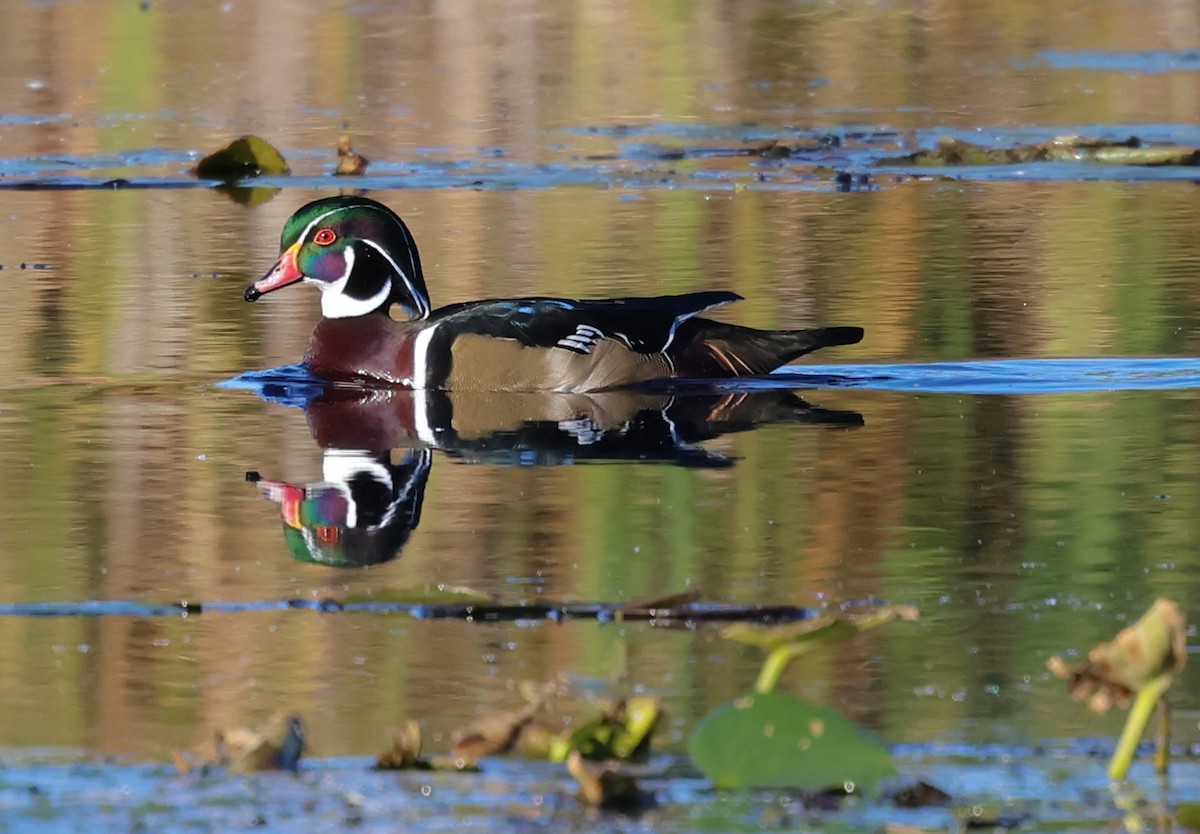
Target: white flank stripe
421, 358
425, 431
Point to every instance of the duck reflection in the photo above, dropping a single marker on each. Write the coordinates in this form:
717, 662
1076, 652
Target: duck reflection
360, 513
379, 449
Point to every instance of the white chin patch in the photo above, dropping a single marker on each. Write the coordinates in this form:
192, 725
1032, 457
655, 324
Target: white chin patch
335, 304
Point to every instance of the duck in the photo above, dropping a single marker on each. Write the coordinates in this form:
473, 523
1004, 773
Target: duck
362, 257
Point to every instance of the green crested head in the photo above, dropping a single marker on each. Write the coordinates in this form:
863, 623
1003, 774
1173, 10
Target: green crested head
357, 251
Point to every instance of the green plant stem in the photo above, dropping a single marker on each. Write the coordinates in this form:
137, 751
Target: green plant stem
775, 664
1135, 725
1162, 750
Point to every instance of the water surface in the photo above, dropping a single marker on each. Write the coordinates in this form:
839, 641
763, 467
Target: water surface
1021, 463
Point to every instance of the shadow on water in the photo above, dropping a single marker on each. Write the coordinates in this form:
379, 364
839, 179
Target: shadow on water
378, 446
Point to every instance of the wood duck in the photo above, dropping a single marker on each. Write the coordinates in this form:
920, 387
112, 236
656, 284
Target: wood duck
364, 260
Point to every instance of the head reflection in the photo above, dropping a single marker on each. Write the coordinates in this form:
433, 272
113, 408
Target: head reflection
361, 512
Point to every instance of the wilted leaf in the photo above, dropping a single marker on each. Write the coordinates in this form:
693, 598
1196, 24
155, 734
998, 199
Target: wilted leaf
777, 741
493, 735
622, 731
605, 787
499, 733
350, 164
249, 156
1155, 645
404, 748
277, 745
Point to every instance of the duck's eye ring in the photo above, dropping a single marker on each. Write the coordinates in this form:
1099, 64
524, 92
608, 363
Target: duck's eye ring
324, 237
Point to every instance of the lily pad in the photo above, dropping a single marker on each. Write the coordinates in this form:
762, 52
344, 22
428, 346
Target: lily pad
776, 741
825, 628
249, 156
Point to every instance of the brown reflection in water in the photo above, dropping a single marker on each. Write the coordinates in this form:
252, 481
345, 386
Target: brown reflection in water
469, 74
123, 474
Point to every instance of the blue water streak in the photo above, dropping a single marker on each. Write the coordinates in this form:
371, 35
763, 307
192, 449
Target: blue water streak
1004, 376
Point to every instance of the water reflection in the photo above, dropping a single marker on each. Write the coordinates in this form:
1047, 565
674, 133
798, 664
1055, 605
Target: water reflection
378, 448
361, 512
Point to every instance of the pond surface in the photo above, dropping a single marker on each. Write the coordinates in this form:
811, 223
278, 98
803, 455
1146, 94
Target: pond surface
1014, 448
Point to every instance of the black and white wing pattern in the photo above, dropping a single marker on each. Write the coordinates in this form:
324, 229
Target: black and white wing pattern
644, 325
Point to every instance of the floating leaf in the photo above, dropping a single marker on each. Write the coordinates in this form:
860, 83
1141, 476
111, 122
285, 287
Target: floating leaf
786, 642
825, 628
276, 745
494, 735
773, 740
250, 156
404, 753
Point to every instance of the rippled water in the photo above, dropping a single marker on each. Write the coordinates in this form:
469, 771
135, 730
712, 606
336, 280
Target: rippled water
1012, 447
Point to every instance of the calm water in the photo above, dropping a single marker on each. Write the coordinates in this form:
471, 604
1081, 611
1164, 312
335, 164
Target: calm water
595, 149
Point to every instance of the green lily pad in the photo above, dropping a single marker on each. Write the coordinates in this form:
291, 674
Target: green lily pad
250, 156
776, 741
826, 628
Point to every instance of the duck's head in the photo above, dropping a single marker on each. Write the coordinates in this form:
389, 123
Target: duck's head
358, 251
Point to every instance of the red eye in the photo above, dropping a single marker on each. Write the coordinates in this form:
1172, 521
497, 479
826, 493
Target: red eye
324, 237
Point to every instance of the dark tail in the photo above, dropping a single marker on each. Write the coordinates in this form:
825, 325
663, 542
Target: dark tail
709, 349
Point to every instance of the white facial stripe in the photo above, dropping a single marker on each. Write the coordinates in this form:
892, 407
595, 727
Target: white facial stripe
418, 299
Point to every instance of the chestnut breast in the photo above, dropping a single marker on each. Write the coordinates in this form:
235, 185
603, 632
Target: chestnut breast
374, 346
